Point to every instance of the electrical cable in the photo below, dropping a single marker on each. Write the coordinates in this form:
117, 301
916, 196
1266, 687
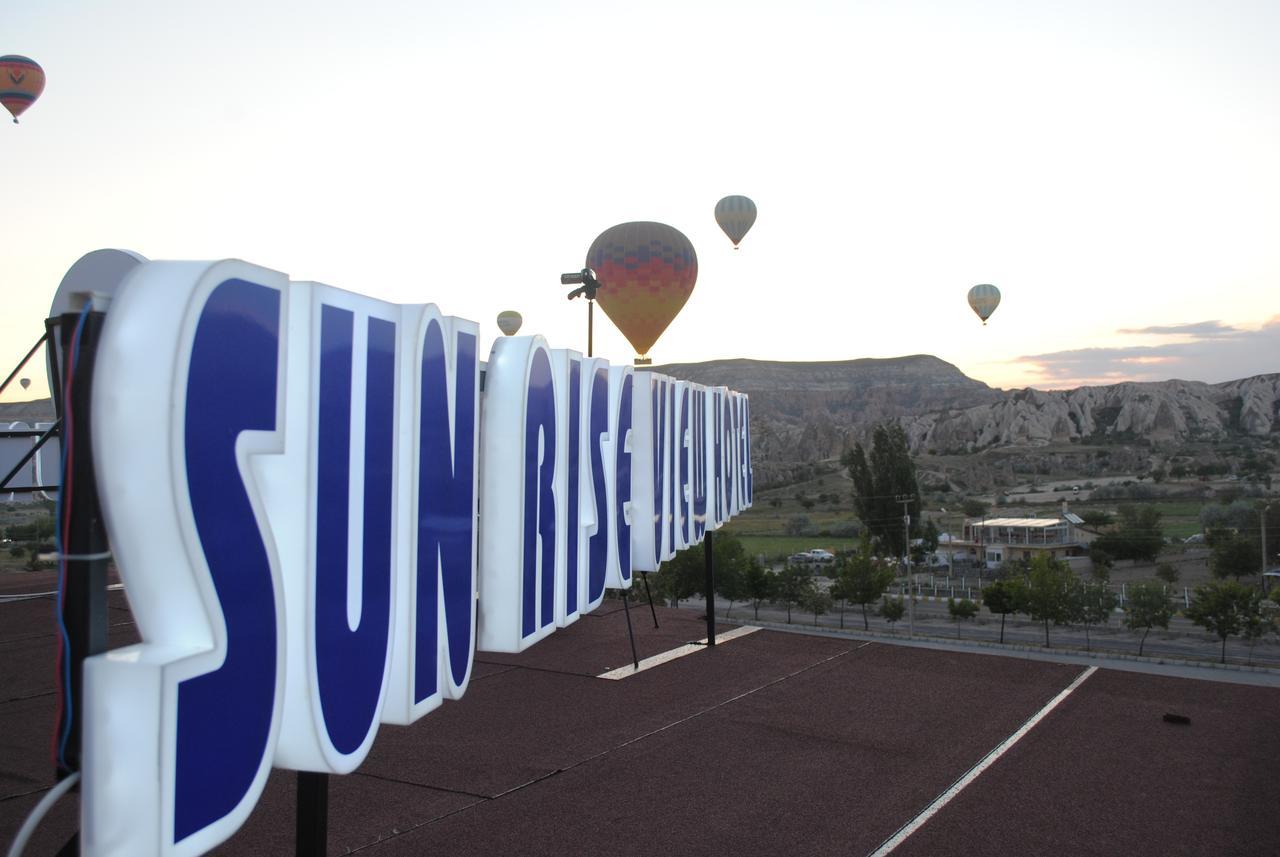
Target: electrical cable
33, 820
62, 534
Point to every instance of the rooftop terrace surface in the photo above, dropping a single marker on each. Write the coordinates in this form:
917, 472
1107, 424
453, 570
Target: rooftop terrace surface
769, 743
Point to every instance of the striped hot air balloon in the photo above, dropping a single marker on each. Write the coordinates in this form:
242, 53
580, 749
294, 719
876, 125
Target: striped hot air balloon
983, 300
735, 214
646, 272
21, 82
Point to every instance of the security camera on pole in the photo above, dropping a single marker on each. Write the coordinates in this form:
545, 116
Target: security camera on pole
587, 285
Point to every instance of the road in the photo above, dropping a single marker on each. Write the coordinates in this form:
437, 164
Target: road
1183, 640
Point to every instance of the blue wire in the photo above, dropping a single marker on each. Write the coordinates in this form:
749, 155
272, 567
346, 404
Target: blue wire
59, 547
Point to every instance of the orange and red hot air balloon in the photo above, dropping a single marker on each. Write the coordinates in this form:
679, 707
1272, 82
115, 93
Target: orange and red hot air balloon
646, 272
21, 82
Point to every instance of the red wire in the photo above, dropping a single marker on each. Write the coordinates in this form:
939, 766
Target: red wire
65, 526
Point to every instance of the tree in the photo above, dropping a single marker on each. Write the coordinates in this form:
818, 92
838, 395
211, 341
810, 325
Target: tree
1168, 572
1050, 592
816, 600
797, 525
928, 535
1004, 597
683, 576
839, 595
729, 580
879, 479
960, 610
892, 609
1096, 518
758, 584
1258, 623
864, 578
791, 585
1147, 606
974, 508
1221, 606
1102, 562
1138, 535
1236, 516
1234, 556
1093, 605
1256, 467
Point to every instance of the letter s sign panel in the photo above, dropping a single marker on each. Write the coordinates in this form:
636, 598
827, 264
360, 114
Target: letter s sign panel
179, 489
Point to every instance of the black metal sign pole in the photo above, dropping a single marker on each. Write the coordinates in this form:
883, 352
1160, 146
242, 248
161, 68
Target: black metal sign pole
312, 830
83, 605
708, 556
649, 594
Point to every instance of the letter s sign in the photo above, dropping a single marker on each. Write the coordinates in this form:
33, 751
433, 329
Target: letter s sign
206, 590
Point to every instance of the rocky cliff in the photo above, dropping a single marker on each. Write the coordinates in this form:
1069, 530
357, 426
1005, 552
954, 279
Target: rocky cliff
810, 412
807, 412
1161, 412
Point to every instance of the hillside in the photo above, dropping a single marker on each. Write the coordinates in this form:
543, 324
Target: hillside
807, 412
804, 413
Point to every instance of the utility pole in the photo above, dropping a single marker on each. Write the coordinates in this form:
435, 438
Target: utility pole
905, 500
1263, 513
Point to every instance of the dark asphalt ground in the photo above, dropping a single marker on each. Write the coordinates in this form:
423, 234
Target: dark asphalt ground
772, 743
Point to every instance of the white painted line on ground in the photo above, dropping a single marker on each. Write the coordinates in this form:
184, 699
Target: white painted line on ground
959, 785
678, 652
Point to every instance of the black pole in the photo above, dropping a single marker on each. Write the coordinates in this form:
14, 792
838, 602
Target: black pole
83, 538
23, 361
708, 554
52, 334
631, 634
41, 438
312, 834
648, 593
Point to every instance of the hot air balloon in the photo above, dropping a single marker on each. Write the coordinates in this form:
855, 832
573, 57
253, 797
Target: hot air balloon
25, 382
509, 322
646, 272
735, 214
21, 82
983, 299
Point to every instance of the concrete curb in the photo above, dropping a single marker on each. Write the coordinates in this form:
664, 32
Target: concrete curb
1008, 649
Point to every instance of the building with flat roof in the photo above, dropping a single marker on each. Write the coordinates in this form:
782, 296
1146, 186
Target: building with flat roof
990, 542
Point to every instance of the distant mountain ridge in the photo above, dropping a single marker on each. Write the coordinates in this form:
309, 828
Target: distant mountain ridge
803, 413
808, 412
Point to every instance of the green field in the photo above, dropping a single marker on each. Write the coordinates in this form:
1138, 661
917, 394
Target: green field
774, 548
763, 527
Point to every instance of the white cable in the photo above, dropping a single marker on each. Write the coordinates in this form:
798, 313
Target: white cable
27, 596
46, 802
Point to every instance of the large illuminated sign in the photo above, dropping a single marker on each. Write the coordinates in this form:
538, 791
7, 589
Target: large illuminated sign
319, 518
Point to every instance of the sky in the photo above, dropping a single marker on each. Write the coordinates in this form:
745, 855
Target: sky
1110, 166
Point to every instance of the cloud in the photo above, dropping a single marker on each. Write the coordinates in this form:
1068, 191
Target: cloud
1198, 329
1208, 351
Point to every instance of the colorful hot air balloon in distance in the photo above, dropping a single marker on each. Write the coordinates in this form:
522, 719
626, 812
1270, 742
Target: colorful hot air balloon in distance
509, 322
983, 299
735, 214
25, 382
646, 272
21, 82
